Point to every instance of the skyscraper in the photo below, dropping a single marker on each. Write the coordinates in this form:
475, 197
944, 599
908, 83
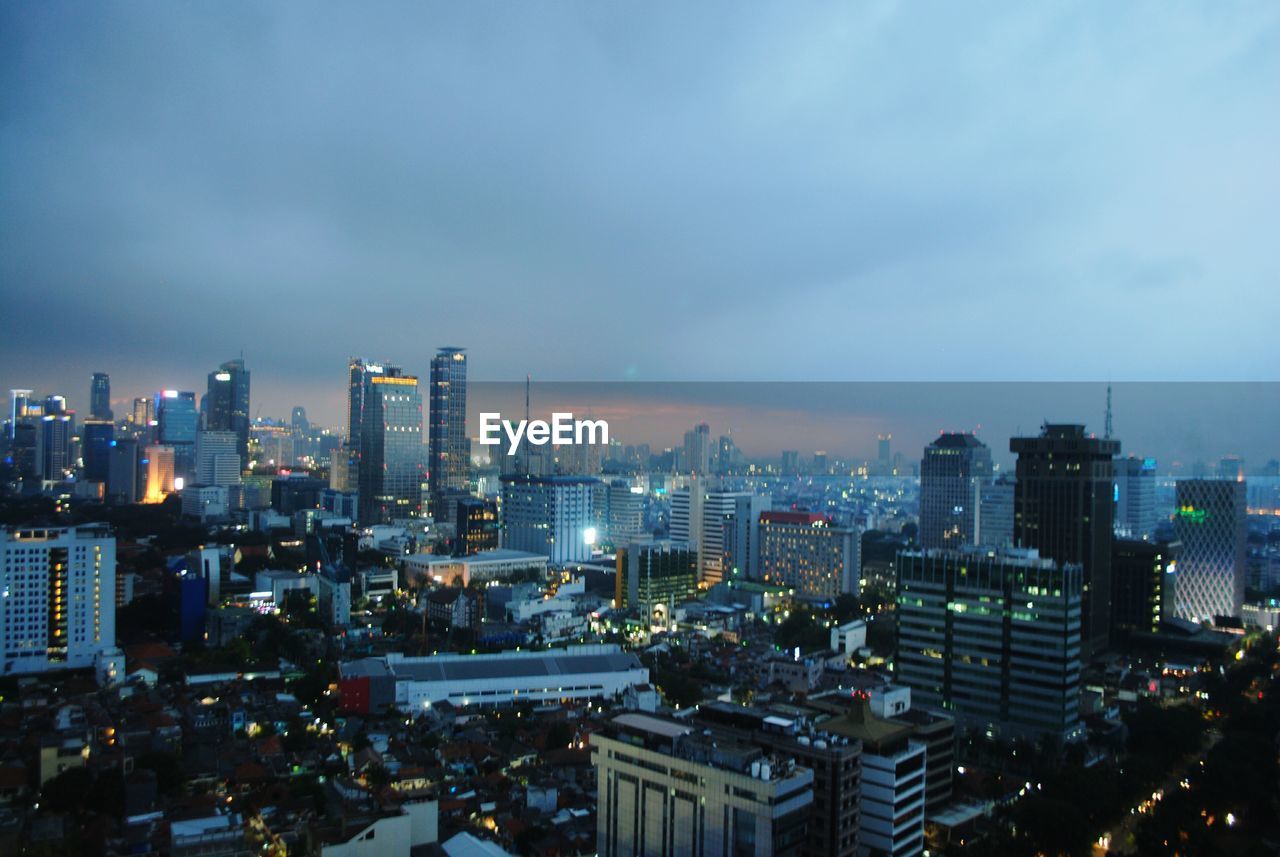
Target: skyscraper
549, 515
993, 637
1135, 497
697, 450
227, 404
57, 427
1210, 522
178, 421
217, 458
450, 449
100, 397
1143, 585
1064, 508
953, 473
98, 437
60, 597
996, 513
390, 466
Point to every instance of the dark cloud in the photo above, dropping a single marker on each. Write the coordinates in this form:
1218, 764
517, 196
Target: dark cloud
610, 191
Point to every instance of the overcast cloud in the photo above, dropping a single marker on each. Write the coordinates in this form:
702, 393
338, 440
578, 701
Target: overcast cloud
637, 191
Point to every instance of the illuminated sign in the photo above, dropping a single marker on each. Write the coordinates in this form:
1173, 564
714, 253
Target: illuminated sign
1192, 514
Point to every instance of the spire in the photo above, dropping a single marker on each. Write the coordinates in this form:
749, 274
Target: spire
1107, 429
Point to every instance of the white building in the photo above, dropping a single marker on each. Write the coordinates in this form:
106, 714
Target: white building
485, 565
58, 602
217, 458
1211, 524
206, 502
416, 683
549, 515
849, 637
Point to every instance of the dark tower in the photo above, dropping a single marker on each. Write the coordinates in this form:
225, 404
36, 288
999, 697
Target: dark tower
449, 447
228, 404
1063, 507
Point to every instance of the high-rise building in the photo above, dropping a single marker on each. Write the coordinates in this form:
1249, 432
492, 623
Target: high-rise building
805, 551
994, 638
953, 472
653, 576
143, 413
100, 397
161, 480
1143, 585
390, 468
790, 465
178, 420
298, 421
1064, 507
19, 401
57, 428
996, 513
697, 450
1135, 497
686, 514
98, 436
123, 473
227, 404
717, 508
449, 464
741, 536
549, 515
1210, 522
884, 452
626, 512
218, 459
59, 607
668, 788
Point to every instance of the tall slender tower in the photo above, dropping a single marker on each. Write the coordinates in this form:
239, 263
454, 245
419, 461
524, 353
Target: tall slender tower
389, 444
449, 447
1212, 525
1063, 507
227, 403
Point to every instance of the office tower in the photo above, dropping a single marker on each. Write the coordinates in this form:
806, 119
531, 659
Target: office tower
686, 514
884, 453
549, 515
733, 518
1143, 585
727, 455
821, 467
894, 763
161, 478
98, 436
790, 462
227, 405
217, 458
716, 507
1064, 508
805, 551
57, 427
123, 471
449, 465
832, 828
994, 638
626, 511
477, 525
19, 400
298, 421
59, 609
177, 423
360, 373
697, 450
100, 397
654, 576
668, 788
996, 513
1135, 497
390, 463
143, 413
953, 472
1210, 523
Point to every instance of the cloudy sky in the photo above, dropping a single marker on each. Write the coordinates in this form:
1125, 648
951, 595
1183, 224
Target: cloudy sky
601, 191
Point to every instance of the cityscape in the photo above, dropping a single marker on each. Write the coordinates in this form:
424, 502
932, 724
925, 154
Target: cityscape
587, 430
